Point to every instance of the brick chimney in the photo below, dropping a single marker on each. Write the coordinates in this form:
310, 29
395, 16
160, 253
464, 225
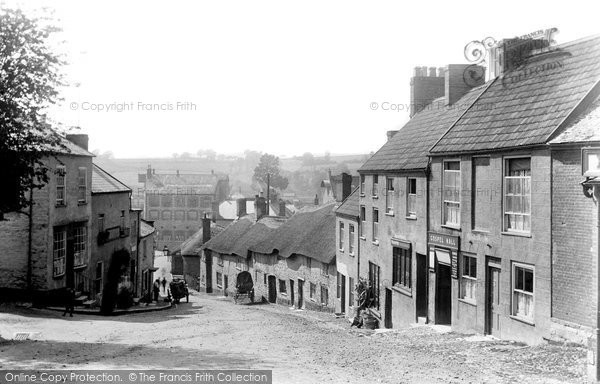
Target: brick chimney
346, 185
241, 207
260, 206
79, 139
205, 229
424, 89
215, 210
458, 80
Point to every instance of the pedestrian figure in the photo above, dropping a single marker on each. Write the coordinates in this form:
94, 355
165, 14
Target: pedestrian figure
69, 302
156, 289
164, 284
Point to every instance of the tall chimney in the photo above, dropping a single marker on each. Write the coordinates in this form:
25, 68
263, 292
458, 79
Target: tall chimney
79, 139
205, 229
149, 171
281, 208
241, 207
215, 210
460, 79
260, 206
346, 185
316, 199
424, 89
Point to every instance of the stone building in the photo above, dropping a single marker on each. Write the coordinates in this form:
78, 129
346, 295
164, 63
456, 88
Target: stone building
176, 202
47, 246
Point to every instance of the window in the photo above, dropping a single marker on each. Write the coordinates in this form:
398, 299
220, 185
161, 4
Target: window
205, 202
362, 184
402, 267
153, 214
166, 201
324, 269
411, 197
375, 185
180, 201
313, 291
375, 224
79, 245
167, 215
351, 239
351, 291
468, 280
341, 234
338, 294
517, 195
167, 235
61, 185
374, 285
389, 195
219, 280
308, 263
180, 215
153, 200
522, 304
324, 295
451, 193
220, 261
179, 235
192, 215
265, 279
59, 251
192, 201
101, 222
282, 287
122, 223
82, 185
363, 218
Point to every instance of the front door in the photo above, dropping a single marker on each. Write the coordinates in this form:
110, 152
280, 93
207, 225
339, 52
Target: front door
343, 294
443, 295
493, 301
300, 294
208, 261
272, 289
225, 284
292, 301
421, 285
388, 308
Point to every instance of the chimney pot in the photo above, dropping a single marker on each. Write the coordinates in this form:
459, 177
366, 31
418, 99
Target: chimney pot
417, 72
79, 139
424, 89
440, 72
432, 71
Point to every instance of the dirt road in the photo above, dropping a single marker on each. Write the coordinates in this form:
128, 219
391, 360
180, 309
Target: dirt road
299, 346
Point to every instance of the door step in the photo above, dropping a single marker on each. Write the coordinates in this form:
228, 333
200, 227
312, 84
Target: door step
421, 320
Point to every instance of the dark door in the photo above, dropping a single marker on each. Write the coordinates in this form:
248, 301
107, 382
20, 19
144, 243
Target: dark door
225, 284
343, 293
421, 285
443, 295
300, 294
388, 308
272, 289
493, 301
208, 261
292, 301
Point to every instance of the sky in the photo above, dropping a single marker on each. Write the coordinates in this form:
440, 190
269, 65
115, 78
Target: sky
153, 78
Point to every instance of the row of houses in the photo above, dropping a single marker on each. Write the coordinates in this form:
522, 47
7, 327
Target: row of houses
80, 231
472, 214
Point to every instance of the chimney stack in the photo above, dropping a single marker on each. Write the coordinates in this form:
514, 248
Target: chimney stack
460, 79
260, 206
241, 207
346, 185
316, 199
205, 229
391, 134
149, 171
281, 208
79, 139
424, 89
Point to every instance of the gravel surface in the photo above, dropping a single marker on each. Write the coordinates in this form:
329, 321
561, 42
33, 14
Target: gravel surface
299, 346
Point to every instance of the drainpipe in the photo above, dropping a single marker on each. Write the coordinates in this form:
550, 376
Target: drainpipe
30, 245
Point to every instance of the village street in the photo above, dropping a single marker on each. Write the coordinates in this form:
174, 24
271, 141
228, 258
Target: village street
299, 346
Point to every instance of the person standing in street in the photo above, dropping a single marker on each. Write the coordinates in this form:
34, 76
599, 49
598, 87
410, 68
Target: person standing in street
156, 289
164, 285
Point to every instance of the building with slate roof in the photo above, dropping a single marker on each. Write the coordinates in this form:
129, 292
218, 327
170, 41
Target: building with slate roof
511, 246
176, 202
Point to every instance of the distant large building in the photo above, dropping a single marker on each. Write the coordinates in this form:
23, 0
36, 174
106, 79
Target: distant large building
176, 202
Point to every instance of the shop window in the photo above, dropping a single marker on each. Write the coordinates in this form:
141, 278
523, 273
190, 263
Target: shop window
402, 267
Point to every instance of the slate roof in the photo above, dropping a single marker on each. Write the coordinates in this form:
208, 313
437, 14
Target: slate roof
585, 129
104, 182
145, 229
350, 206
526, 110
408, 148
193, 244
310, 232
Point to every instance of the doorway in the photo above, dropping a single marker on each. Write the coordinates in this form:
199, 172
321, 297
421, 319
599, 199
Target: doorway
208, 261
292, 301
343, 293
492, 298
443, 295
300, 294
225, 284
388, 308
421, 285
272, 289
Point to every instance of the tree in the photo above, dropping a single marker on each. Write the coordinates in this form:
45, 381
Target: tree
308, 159
269, 165
30, 76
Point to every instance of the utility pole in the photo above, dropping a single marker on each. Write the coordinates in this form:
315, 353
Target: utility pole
268, 192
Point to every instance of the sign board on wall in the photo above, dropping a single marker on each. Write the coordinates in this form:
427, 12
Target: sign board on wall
442, 240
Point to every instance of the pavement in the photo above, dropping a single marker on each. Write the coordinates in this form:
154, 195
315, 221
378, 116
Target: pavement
212, 332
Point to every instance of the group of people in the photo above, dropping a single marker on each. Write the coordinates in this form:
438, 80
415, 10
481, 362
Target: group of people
156, 287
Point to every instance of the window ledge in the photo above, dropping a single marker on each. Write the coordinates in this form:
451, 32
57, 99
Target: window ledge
58, 276
341, 250
518, 234
351, 254
362, 238
82, 266
480, 231
402, 290
362, 194
523, 320
467, 301
390, 213
411, 217
375, 242
283, 293
82, 203
375, 197
453, 227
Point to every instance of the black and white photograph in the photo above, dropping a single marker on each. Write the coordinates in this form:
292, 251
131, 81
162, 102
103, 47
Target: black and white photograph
277, 191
